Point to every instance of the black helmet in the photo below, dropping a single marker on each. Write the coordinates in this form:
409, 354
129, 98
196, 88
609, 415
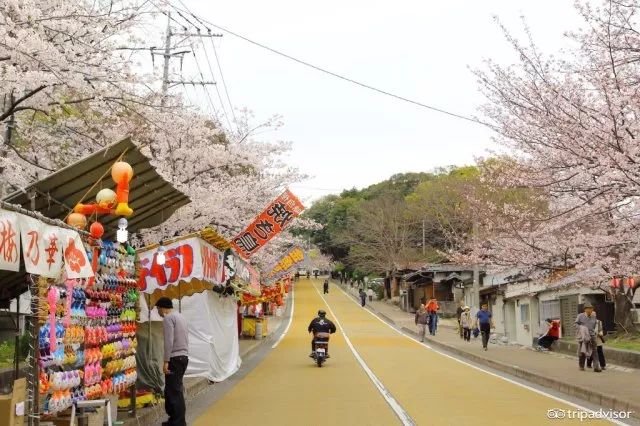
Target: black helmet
322, 313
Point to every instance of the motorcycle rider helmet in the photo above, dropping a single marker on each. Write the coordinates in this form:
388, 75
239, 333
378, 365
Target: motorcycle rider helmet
322, 313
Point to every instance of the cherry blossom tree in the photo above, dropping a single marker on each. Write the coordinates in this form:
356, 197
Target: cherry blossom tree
71, 88
571, 127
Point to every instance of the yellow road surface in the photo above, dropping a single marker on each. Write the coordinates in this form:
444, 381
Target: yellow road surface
286, 388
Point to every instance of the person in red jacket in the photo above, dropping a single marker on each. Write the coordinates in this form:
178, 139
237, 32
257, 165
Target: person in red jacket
432, 309
552, 334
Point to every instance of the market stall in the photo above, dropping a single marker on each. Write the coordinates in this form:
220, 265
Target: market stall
196, 274
83, 285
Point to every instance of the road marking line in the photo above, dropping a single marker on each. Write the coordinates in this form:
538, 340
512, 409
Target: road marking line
293, 307
557, 398
402, 414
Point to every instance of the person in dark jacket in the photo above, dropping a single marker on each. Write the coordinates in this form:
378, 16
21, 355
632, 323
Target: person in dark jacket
363, 298
459, 312
320, 324
176, 359
325, 286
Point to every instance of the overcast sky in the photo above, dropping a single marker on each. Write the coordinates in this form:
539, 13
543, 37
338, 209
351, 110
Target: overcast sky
344, 135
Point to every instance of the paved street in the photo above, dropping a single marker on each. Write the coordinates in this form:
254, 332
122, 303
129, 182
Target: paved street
420, 385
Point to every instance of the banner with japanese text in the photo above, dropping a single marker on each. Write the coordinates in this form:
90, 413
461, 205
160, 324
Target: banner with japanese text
76, 262
268, 224
42, 247
9, 241
293, 257
185, 261
45, 248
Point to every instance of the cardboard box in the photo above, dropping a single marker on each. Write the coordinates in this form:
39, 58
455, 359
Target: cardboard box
9, 402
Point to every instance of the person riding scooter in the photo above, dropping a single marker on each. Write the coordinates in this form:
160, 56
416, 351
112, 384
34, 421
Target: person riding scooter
320, 324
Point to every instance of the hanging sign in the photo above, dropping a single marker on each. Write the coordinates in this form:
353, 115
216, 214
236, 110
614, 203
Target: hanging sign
293, 257
9, 241
42, 247
185, 260
76, 262
268, 224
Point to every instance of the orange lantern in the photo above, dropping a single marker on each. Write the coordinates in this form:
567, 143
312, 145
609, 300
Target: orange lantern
96, 229
77, 220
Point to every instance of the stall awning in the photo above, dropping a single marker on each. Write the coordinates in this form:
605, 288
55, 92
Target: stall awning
152, 198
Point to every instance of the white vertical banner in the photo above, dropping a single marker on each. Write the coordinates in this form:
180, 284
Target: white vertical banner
76, 262
9, 241
41, 247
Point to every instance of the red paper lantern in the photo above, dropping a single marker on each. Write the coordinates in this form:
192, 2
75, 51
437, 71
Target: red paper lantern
96, 230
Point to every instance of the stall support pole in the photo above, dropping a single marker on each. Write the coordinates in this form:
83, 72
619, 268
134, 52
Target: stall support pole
34, 353
16, 371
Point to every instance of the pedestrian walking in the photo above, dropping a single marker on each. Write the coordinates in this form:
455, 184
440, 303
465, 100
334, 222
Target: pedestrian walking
325, 286
586, 334
370, 294
421, 320
176, 359
599, 344
484, 322
432, 309
459, 312
363, 298
465, 323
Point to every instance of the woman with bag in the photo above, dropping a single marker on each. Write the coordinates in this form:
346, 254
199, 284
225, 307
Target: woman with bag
599, 352
465, 323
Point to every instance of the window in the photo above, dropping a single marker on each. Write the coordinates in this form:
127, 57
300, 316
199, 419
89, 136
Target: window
524, 313
549, 309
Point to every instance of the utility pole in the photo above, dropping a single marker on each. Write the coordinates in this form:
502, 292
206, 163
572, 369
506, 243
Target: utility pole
168, 55
476, 270
424, 237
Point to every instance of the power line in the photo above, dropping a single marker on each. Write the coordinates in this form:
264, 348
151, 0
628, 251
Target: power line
224, 110
224, 84
331, 73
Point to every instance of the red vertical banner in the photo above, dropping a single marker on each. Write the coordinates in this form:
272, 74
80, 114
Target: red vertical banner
268, 224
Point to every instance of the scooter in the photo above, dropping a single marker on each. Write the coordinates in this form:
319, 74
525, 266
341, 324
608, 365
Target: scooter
321, 345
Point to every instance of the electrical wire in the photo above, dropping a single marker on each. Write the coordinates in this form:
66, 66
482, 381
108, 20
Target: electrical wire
224, 83
204, 87
224, 110
331, 73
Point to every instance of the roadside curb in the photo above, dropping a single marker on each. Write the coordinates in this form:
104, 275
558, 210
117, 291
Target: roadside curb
583, 393
586, 394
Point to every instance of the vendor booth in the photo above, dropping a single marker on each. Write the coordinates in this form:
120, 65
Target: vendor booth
196, 274
83, 284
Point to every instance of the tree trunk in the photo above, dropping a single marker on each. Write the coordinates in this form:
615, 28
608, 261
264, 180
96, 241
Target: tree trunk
623, 306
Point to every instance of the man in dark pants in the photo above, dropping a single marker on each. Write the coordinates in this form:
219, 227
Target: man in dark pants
590, 322
176, 359
325, 286
320, 324
485, 323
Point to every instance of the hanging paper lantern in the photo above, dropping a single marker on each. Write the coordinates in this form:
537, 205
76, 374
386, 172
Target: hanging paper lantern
631, 282
77, 220
96, 229
121, 171
106, 198
615, 282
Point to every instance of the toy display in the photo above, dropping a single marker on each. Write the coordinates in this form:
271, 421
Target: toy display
88, 342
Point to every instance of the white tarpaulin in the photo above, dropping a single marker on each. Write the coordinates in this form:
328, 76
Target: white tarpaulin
214, 350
